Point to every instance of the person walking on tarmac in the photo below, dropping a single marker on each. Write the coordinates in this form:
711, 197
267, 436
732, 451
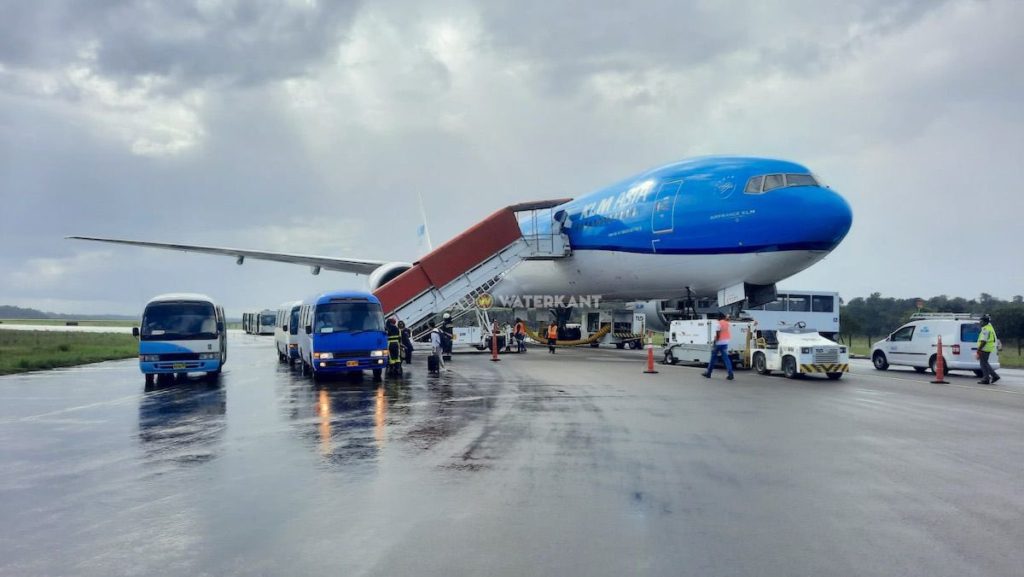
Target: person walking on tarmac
407, 347
437, 348
394, 347
520, 335
447, 336
722, 336
552, 336
986, 346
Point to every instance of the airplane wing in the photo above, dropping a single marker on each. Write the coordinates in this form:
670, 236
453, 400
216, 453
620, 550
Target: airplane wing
357, 266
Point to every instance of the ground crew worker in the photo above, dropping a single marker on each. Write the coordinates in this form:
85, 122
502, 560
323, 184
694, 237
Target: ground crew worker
986, 346
722, 336
394, 347
520, 335
437, 346
552, 336
407, 347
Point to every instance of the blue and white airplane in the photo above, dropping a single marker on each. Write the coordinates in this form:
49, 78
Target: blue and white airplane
694, 227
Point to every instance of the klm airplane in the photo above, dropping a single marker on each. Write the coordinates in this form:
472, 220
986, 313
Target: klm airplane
696, 227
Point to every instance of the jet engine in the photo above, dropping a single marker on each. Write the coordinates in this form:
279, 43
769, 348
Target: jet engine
386, 272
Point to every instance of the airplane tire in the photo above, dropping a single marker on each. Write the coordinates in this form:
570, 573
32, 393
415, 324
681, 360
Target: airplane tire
879, 360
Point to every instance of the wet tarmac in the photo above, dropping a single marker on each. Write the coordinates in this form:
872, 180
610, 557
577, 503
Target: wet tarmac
571, 464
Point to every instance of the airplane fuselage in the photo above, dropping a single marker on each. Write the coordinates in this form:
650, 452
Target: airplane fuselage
702, 224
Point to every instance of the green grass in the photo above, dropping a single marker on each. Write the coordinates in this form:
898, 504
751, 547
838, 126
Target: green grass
63, 322
22, 351
1008, 357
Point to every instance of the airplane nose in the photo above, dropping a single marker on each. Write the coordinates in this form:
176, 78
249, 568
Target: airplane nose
833, 218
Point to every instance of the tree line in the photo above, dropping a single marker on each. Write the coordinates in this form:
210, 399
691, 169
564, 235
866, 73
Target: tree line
876, 316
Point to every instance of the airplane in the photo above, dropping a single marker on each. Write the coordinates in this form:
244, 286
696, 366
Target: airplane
696, 227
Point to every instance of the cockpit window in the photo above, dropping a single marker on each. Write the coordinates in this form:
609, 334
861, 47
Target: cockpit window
773, 181
800, 180
765, 182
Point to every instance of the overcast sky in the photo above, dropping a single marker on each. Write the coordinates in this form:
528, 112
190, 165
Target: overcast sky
309, 127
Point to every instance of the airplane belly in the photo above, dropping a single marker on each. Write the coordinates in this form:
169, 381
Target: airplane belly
631, 276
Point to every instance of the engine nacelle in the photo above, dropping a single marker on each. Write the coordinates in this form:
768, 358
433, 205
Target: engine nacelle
386, 272
655, 311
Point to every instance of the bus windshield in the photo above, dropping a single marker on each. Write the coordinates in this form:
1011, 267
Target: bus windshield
267, 319
178, 322
348, 317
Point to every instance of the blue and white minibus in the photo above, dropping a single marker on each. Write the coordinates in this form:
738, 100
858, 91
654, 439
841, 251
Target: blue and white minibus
181, 334
342, 332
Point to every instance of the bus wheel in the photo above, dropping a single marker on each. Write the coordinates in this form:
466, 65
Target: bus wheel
376, 374
213, 375
149, 381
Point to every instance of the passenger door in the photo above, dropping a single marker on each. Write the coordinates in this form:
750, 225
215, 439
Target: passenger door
663, 218
900, 346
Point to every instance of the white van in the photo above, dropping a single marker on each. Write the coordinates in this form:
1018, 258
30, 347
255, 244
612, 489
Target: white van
286, 332
914, 344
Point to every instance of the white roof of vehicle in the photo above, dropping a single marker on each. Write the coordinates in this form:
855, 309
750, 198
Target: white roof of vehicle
180, 297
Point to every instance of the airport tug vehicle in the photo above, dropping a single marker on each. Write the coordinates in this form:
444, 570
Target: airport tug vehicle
797, 351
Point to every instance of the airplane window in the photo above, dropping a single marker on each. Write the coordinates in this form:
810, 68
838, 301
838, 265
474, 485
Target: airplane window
754, 185
773, 181
800, 180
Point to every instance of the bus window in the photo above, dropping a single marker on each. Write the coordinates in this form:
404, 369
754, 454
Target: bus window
346, 317
799, 303
822, 303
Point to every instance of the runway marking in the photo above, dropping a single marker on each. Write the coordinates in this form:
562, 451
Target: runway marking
69, 410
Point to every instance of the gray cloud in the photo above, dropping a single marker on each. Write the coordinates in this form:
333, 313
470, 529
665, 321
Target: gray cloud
312, 129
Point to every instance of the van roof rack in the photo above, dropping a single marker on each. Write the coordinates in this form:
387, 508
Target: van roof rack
950, 316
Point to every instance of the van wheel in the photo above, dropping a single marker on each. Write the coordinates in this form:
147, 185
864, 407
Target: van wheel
670, 359
931, 365
789, 368
878, 359
920, 369
761, 364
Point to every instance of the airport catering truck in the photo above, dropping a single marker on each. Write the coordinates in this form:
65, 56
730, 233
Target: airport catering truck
342, 332
179, 334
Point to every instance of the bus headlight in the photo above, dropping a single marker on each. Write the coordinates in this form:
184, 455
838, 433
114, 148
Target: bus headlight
149, 358
378, 353
208, 356
323, 355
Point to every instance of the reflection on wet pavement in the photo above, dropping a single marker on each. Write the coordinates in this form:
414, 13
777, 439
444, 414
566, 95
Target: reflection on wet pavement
183, 422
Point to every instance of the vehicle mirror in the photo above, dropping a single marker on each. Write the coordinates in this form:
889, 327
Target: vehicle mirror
135, 332
220, 326
309, 329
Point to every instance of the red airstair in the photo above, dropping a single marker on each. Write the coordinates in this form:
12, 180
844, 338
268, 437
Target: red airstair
454, 275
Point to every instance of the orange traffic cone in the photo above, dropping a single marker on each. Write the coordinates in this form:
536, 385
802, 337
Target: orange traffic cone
494, 348
940, 366
650, 359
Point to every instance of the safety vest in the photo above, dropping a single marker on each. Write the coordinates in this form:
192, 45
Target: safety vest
723, 331
520, 329
552, 332
987, 339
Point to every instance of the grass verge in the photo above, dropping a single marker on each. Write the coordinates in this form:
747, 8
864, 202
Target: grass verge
22, 351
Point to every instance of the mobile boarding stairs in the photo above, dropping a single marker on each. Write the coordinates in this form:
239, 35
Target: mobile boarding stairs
455, 275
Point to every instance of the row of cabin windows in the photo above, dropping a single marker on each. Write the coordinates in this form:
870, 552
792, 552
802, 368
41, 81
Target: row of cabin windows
765, 182
801, 303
